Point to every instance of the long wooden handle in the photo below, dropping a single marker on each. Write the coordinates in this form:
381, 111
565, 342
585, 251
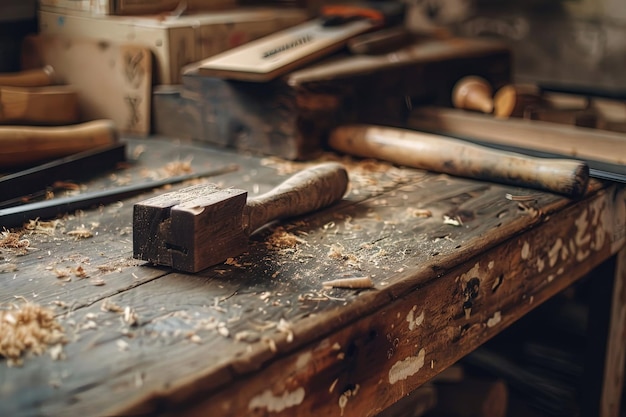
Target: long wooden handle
29, 78
306, 191
53, 105
24, 145
456, 157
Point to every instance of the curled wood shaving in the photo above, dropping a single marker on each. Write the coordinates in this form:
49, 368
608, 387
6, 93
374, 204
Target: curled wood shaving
13, 242
130, 316
357, 282
42, 227
420, 212
29, 328
175, 168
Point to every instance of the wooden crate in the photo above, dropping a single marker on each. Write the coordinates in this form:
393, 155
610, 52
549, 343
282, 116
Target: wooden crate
176, 42
129, 7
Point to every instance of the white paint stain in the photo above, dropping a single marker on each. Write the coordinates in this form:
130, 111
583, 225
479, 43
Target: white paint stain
403, 369
497, 318
540, 264
553, 253
582, 238
414, 321
303, 360
525, 251
276, 403
345, 396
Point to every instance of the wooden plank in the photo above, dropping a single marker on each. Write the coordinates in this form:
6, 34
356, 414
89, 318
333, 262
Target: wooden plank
114, 81
56, 105
572, 141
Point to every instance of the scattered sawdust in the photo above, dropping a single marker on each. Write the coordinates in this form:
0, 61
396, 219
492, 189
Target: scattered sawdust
81, 233
13, 242
29, 328
366, 175
130, 316
176, 168
42, 227
337, 252
282, 239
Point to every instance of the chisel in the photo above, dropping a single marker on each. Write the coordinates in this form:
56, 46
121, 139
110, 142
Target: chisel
440, 154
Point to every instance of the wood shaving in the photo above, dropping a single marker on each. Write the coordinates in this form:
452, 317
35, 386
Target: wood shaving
423, 213
97, 282
79, 272
29, 328
42, 227
13, 242
176, 168
452, 221
282, 239
284, 326
109, 306
357, 282
336, 251
81, 233
130, 316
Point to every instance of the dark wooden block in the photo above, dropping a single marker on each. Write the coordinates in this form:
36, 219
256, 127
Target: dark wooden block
290, 117
191, 227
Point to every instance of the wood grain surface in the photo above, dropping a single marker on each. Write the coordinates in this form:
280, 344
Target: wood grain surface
453, 262
52, 105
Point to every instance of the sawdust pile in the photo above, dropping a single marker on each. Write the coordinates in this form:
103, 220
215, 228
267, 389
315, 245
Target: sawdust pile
12, 241
29, 328
282, 239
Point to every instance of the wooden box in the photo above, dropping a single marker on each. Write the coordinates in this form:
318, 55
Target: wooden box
129, 7
176, 42
291, 116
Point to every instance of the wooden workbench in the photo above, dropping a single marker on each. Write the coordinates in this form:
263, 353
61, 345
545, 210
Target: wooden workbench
453, 263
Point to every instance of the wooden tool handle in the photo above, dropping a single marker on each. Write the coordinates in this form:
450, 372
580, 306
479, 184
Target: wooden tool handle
456, 157
24, 145
53, 105
29, 78
306, 191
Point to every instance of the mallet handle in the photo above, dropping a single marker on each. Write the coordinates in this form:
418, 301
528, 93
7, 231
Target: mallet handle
440, 154
308, 190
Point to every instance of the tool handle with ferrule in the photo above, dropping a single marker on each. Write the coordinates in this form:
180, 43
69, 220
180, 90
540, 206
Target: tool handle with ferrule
308, 190
456, 157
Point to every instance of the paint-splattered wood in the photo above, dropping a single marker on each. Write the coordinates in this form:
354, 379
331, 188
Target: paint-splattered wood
259, 335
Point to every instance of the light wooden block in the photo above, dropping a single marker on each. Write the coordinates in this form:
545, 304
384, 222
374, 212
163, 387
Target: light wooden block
176, 42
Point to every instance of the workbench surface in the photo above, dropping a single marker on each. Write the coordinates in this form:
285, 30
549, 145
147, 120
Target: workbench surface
453, 262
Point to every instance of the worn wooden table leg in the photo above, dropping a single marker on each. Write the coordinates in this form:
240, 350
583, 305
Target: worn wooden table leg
604, 367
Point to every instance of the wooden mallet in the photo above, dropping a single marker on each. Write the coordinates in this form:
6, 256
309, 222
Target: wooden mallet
202, 225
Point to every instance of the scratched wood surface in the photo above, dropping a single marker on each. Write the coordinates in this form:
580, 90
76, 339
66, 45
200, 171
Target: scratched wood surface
260, 335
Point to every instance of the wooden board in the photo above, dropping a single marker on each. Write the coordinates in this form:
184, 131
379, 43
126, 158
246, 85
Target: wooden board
114, 81
122, 7
290, 116
211, 343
